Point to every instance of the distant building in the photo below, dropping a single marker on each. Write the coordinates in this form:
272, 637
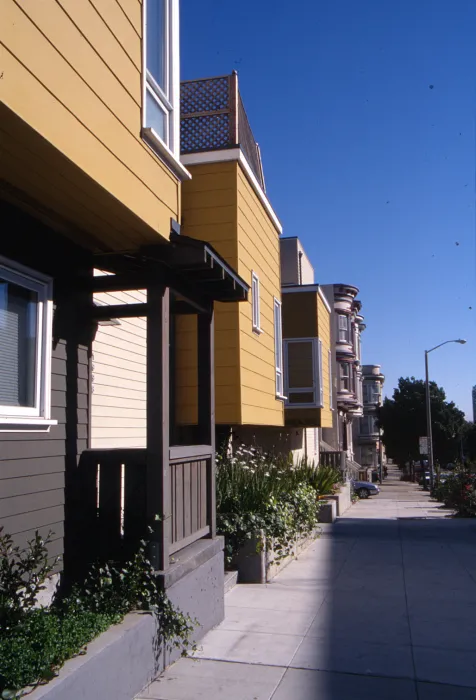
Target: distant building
366, 432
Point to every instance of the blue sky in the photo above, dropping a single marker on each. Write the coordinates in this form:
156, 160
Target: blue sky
370, 166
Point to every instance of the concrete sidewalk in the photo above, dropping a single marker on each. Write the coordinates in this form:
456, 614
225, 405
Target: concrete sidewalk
382, 606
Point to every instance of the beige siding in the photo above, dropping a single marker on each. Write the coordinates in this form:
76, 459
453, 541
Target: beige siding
118, 403
258, 251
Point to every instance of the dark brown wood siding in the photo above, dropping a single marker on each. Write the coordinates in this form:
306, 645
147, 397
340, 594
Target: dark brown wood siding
36, 467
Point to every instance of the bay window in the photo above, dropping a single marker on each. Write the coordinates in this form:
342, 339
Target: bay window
25, 345
303, 373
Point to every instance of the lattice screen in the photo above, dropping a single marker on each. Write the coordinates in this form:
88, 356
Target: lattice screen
205, 115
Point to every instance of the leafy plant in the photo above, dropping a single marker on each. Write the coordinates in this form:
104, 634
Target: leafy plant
458, 491
35, 642
22, 575
258, 492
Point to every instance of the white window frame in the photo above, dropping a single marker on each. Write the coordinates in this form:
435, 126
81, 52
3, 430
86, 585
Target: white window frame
342, 332
15, 418
317, 388
331, 384
255, 304
169, 149
278, 349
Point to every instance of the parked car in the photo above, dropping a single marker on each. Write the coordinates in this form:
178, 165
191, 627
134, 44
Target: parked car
364, 489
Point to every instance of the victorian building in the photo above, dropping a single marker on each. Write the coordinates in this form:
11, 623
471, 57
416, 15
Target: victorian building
347, 325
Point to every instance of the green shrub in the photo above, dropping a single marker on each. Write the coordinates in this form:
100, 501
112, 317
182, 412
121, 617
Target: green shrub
35, 642
256, 491
458, 491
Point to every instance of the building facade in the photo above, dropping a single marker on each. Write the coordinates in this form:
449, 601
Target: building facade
96, 280
226, 204
347, 325
368, 445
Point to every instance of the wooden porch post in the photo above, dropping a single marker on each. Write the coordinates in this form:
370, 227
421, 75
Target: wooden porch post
158, 473
206, 404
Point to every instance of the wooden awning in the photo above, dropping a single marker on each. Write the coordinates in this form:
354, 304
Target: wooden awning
200, 264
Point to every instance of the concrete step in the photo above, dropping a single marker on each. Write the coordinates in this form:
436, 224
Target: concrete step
231, 578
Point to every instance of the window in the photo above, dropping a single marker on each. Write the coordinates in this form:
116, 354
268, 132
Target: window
303, 375
255, 303
278, 349
161, 76
368, 425
343, 330
345, 376
25, 345
371, 392
331, 380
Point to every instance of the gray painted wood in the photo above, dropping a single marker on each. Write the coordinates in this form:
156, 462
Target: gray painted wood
158, 392
33, 465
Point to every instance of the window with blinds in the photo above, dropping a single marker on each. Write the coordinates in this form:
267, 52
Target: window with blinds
25, 342
304, 386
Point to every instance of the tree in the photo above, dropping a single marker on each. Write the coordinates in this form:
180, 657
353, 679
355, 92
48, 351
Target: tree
403, 421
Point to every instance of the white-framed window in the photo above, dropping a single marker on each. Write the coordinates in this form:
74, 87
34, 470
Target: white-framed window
278, 348
343, 328
331, 380
345, 376
161, 72
304, 385
255, 303
26, 319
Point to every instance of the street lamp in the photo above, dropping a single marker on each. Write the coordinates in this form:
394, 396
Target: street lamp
428, 408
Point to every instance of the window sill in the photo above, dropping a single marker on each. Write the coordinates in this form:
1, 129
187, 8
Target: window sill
154, 142
25, 425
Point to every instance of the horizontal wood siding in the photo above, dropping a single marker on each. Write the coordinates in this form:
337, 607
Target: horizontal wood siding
35, 467
72, 71
119, 381
324, 329
258, 251
209, 213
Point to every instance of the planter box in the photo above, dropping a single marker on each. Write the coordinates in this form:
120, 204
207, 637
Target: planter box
328, 511
125, 658
342, 499
256, 561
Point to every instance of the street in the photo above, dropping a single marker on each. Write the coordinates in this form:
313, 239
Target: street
383, 605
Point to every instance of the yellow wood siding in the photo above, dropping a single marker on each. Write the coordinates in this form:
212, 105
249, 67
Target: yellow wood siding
119, 372
258, 251
219, 206
324, 330
72, 72
209, 213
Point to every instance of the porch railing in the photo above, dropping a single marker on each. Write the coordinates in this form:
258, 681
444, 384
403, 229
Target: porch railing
339, 460
190, 473
212, 117
112, 499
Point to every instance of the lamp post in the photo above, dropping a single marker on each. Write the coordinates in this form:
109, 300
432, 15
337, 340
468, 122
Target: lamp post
428, 408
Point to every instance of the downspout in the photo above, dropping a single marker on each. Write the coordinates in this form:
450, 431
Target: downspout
300, 266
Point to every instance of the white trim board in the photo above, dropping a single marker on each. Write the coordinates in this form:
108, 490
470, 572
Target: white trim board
229, 155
